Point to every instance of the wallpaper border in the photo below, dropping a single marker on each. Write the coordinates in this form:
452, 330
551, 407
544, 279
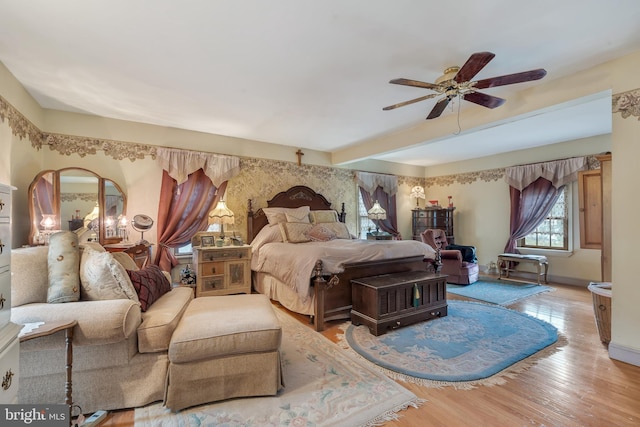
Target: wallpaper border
627, 103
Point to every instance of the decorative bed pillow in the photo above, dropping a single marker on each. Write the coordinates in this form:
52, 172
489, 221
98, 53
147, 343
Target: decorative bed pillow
63, 260
339, 228
150, 284
102, 277
298, 216
278, 215
295, 232
320, 233
318, 217
125, 260
270, 233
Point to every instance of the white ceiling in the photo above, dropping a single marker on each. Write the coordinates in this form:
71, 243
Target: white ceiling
310, 74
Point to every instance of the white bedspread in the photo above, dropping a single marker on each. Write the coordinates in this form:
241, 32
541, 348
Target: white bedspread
292, 263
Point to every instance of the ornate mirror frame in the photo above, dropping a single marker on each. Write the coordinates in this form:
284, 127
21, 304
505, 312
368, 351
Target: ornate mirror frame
47, 195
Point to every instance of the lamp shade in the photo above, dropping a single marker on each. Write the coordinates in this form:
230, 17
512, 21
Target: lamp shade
376, 212
48, 221
417, 192
221, 214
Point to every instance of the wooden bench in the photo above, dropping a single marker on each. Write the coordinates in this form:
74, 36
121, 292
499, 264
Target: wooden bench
539, 261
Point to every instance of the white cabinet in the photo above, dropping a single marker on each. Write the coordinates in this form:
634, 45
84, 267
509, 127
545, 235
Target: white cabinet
9, 344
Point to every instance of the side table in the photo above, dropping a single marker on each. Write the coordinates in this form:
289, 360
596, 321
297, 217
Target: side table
40, 329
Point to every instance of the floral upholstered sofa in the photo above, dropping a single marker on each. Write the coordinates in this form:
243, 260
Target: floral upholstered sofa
121, 340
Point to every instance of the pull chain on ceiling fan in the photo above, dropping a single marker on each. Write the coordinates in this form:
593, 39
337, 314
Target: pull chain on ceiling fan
456, 82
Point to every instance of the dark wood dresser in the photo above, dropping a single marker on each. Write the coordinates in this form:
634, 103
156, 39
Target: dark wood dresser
389, 301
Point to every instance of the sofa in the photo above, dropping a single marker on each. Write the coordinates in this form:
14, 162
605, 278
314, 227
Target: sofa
120, 352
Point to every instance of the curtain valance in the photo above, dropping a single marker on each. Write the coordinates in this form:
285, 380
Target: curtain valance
559, 172
180, 163
371, 181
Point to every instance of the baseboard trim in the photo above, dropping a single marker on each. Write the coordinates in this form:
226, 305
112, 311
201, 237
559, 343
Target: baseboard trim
624, 354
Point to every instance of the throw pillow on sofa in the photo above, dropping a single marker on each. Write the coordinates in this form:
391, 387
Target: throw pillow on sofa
63, 260
102, 277
150, 283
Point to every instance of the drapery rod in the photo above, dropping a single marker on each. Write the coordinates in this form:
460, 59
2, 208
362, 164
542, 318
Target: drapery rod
555, 160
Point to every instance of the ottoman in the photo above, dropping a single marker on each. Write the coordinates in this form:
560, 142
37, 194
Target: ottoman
224, 347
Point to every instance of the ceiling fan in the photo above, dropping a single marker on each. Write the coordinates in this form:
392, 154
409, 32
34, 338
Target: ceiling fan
456, 82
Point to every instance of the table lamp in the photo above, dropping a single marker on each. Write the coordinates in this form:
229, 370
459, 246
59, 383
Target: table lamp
376, 213
221, 215
417, 193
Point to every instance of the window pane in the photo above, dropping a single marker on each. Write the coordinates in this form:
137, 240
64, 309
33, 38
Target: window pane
366, 224
552, 232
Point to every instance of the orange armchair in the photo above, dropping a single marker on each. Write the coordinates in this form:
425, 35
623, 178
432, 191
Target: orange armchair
460, 272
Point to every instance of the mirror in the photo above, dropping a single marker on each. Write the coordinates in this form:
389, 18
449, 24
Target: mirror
142, 223
75, 199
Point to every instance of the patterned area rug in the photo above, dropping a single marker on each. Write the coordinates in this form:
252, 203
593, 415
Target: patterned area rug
324, 386
474, 344
497, 291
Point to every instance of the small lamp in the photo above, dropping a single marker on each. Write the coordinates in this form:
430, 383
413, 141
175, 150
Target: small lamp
122, 228
376, 213
417, 193
48, 221
221, 215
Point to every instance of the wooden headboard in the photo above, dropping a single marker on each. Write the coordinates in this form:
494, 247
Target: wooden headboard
294, 197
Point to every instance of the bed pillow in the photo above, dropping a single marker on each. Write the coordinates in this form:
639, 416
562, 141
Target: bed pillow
278, 215
295, 232
150, 284
102, 277
298, 216
320, 233
339, 228
318, 217
268, 234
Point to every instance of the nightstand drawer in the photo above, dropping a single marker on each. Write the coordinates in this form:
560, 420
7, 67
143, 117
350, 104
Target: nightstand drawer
223, 254
212, 283
211, 268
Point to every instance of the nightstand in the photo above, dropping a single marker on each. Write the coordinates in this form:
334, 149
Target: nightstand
222, 271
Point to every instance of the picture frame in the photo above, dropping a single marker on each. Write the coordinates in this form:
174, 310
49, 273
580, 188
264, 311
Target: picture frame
206, 241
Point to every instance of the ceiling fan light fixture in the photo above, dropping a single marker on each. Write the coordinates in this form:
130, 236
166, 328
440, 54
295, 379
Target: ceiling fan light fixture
449, 74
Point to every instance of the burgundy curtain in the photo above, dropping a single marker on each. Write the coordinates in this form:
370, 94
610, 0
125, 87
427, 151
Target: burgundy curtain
528, 208
182, 212
388, 203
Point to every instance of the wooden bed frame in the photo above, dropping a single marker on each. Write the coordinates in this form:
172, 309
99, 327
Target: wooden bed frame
332, 293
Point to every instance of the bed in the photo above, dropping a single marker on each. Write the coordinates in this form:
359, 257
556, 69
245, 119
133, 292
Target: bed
308, 266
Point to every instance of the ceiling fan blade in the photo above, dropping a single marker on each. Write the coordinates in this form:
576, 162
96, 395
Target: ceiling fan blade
415, 83
483, 99
439, 108
474, 64
402, 104
509, 79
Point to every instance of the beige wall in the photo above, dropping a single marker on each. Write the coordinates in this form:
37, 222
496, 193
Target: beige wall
482, 206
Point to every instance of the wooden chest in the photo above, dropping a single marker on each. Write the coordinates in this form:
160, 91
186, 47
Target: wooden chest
391, 301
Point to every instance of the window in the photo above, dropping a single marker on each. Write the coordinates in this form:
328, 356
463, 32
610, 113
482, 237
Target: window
366, 225
553, 231
187, 249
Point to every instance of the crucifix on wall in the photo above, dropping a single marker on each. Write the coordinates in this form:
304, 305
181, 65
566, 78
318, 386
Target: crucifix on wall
299, 153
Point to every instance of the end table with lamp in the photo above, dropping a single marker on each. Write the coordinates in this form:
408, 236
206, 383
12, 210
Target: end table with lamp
376, 214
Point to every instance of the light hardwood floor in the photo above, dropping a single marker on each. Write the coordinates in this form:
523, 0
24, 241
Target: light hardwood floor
577, 386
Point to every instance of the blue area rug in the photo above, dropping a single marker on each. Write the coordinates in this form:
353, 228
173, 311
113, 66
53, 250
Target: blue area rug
475, 344
497, 291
